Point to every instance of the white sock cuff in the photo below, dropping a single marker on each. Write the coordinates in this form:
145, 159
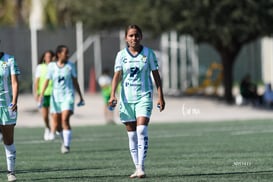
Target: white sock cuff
10, 148
67, 135
131, 134
142, 130
65, 132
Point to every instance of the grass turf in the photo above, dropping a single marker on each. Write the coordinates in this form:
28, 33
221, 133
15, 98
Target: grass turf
218, 151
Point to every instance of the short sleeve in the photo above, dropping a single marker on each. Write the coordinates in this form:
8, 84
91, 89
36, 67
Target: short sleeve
50, 70
14, 69
118, 62
153, 60
73, 70
38, 71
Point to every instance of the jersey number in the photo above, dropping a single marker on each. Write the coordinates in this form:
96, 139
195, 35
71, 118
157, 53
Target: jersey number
133, 71
61, 79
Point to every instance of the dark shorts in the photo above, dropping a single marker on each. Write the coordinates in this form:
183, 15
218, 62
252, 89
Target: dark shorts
46, 101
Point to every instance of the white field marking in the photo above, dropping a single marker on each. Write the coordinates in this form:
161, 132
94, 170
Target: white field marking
161, 135
249, 132
178, 135
97, 138
57, 140
220, 129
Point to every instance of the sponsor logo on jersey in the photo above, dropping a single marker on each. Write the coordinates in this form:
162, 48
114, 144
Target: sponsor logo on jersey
124, 60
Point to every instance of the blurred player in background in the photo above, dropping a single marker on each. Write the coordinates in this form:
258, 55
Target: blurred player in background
40, 77
64, 79
9, 88
134, 65
105, 85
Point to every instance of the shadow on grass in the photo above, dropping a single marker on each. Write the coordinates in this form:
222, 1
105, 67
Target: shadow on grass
112, 177
65, 174
55, 170
101, 150
75, 178
213, 174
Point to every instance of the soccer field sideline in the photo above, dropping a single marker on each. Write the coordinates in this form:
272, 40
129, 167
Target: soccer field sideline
178, 109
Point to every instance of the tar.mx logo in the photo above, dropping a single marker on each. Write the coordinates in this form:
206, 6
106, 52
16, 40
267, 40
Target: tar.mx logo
187, 110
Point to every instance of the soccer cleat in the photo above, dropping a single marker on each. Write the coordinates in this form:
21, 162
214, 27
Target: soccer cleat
64, 149
141, 173
134, 175
46, 134
11, 176
51, 136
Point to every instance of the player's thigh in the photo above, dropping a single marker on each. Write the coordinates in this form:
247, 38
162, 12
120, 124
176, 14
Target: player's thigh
56, 117
66, 115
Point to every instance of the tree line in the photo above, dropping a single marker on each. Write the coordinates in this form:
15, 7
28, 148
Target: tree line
226, 25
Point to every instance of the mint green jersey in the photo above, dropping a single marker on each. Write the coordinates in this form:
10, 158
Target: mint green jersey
8, 67
136, 74
63, 88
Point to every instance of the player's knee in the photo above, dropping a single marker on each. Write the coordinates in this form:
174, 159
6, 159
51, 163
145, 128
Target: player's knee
8, 141
142, 130
65, 125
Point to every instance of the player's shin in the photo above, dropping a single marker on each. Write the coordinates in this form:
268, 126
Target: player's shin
10, 156
142, 134
67, 136
132, 136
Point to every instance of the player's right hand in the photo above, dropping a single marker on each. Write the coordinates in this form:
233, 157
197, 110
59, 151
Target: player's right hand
112, 102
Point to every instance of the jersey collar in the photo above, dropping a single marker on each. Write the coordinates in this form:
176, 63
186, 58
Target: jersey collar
127, 49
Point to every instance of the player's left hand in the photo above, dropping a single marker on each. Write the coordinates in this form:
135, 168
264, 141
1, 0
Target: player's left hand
81, 103
160, 104
13, 106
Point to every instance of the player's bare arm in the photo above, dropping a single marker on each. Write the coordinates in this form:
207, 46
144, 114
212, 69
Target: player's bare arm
77, 87
115, 82
15, 90
43, 90
161, 101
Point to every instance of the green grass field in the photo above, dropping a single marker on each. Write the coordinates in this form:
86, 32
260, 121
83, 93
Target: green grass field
219, 151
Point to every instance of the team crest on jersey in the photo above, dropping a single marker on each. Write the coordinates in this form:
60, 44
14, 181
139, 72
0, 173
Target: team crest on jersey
4, 65
144, 59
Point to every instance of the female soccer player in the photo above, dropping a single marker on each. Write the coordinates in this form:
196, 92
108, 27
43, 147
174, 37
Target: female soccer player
134, 64
9, 88
64, 78
40, 78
